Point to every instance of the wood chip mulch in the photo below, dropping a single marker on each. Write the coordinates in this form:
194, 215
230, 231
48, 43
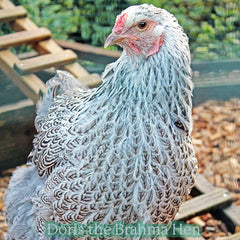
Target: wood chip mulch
3, 186
211, 228
216, 137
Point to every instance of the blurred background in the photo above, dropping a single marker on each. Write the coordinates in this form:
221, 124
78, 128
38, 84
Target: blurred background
213, 26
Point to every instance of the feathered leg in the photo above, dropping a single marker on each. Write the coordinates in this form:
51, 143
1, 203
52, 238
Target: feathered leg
18, 204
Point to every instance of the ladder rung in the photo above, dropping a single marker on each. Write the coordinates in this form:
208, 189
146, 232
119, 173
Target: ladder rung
30, 85
45, 61
20, 38
92, 80
10, 14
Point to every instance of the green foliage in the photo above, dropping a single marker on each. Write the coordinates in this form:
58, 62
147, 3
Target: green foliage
213, 26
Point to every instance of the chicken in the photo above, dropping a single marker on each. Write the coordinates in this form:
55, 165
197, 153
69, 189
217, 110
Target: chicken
120, 152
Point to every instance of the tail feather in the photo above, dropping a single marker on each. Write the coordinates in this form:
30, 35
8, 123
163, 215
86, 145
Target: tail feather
58, 85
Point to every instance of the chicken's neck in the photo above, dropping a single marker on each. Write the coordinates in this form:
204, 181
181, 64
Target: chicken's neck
162, 81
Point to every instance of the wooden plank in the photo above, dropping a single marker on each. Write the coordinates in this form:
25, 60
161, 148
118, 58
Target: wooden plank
23, 37
231, 213
77, 70
202, 185
90, 53
219, 197
26, 55
23, 24
235, 236
47, 46
50, 46
89, 80
7, 15
36, 64
30, 85
92, 80
16, 134
6, 4
16, 106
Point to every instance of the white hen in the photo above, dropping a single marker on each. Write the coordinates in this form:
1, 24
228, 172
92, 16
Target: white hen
121, 152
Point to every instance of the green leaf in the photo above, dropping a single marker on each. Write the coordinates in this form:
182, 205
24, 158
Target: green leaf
211, 24
220, 11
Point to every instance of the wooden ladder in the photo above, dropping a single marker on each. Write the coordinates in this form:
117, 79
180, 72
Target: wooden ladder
50, 54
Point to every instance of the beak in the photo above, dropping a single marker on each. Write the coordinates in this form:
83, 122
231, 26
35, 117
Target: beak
112, 39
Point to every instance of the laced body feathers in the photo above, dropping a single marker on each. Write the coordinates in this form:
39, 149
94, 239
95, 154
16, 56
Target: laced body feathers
125, 152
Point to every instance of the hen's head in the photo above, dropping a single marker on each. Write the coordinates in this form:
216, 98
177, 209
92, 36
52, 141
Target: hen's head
143, 29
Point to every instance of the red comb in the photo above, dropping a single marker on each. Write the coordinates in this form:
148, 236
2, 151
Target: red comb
118, 27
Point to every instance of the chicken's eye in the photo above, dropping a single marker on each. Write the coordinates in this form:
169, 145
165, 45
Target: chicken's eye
142, 25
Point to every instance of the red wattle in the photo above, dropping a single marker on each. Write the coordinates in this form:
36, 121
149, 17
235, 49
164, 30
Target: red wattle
158, 43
